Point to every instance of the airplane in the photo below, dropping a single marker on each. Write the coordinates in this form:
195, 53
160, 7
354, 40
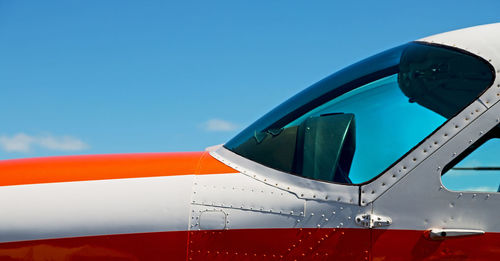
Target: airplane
392, 158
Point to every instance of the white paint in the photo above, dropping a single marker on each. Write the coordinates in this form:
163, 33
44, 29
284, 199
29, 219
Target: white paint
74, 209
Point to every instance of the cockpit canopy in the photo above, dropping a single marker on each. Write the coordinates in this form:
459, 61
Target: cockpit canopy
352, 125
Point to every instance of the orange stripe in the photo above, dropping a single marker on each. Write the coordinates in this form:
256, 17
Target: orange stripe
116, 166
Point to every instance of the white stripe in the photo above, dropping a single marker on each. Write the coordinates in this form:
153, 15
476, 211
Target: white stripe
75, 209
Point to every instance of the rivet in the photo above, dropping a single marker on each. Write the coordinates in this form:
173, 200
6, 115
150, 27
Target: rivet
425, 151
456, 126
326, 219
373, 191
338, 199
341, 208
383, 184
446, 134
393, 175
301, 195
414, 159
312, 214
333, 212
319, 225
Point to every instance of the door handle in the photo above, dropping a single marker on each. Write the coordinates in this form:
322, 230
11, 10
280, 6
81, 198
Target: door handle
443, 233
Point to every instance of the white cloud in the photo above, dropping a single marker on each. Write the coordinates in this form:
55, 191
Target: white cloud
219, 125
17, 143
65, 143
25, 143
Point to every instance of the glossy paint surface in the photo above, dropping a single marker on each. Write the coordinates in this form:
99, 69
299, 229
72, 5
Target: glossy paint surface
257, 244
392, 244
100, 167
249, 244
146, 246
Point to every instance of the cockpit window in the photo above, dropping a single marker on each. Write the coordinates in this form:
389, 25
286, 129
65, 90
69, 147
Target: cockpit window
355, 123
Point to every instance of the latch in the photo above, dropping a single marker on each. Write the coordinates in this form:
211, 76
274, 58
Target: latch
372, 220
443, 233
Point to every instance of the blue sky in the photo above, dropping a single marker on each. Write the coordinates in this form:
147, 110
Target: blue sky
87, 77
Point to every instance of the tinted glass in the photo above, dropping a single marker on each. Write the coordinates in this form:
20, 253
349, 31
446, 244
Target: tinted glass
477, 172
352, 125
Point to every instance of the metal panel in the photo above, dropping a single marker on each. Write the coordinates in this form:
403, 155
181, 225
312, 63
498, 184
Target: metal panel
302, 187
419, 201
242, 192
373, 190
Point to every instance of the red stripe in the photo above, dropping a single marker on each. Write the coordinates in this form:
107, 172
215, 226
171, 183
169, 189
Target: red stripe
258, 244
147, 246
249, 244
99, 167
414, 245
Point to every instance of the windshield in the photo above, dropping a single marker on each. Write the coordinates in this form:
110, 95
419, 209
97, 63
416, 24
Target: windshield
355, 123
